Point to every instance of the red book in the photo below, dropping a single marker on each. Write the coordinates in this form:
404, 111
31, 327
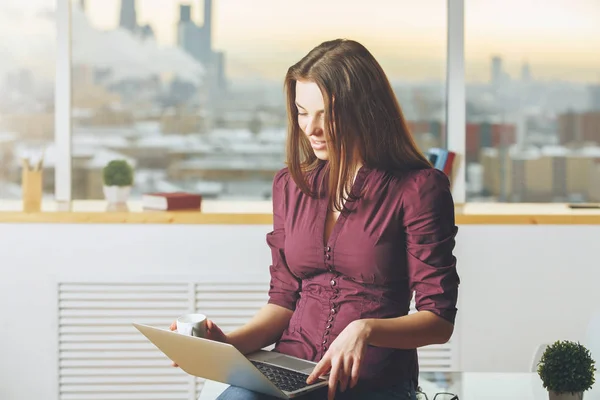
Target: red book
449, 163
172, 201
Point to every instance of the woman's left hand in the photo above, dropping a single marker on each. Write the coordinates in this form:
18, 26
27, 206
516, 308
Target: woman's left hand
343, 359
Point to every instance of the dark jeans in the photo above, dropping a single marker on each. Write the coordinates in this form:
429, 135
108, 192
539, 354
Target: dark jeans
398, 392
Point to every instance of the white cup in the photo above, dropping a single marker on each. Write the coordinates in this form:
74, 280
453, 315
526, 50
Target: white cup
192, 325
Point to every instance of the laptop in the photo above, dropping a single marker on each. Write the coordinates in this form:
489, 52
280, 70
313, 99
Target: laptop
267, 372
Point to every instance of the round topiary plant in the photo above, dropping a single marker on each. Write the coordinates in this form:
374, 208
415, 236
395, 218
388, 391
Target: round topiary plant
567, 367
118, 173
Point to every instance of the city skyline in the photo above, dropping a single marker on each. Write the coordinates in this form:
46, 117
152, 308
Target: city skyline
559, 46
556, 46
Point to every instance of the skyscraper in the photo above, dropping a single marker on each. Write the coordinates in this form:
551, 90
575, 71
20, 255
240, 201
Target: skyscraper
197, 41
208, 25
185, 13
128, 17
594, 91
525, 72
497, 73
189, 35
128, 21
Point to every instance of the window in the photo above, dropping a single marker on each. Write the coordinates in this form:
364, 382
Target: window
533, 100
27, 51
191, 93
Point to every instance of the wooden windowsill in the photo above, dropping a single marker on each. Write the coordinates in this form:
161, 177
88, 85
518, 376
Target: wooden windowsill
259, 213
525, 214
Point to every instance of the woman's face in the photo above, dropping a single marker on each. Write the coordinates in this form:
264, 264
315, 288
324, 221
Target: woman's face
311, 116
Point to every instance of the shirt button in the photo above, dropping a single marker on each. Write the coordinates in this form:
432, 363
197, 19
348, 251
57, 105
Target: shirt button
332, 282
328, 248
333, 310
324, 348
329, 256
327, 332
328, 326
324, 341
330, 319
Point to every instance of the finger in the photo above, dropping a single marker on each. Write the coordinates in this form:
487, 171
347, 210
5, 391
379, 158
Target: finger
333, 378
318, 369
213, 329
210, 328
321, 367
173, 326
355, 372
344, 379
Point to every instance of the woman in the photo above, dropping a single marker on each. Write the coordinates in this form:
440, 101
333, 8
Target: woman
361, 221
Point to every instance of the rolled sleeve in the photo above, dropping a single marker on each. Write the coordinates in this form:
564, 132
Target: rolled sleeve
430, 240
284, 286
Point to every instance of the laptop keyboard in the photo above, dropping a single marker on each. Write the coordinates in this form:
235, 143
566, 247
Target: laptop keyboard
284, 379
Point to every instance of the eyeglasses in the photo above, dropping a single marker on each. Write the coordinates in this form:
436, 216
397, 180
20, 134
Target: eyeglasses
438, 396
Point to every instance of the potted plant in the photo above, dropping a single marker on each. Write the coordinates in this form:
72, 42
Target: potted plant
567, 370
117, 176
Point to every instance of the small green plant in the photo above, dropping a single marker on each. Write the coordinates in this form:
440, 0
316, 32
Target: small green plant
118, 173
567, 367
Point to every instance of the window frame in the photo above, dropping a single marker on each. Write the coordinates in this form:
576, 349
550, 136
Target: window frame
62, 103
456, 102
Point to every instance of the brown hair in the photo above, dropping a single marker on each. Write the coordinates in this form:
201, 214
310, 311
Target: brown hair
362, 119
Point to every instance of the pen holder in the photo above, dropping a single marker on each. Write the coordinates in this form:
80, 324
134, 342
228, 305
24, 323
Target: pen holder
31, 186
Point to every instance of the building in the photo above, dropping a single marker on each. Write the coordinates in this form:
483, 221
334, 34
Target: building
579, 128
526, 73
487, 135
497, 73
128, 19
548, 174
128, 15
594, 185
197, 40
594, 97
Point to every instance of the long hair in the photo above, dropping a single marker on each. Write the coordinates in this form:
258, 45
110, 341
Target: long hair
363, 120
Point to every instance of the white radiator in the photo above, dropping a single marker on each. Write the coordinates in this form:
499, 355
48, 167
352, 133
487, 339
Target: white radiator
102, 356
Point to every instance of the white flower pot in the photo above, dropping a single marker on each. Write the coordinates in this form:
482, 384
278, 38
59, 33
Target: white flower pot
566, 396
117, 194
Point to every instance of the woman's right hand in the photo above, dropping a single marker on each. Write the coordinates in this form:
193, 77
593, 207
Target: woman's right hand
213, 332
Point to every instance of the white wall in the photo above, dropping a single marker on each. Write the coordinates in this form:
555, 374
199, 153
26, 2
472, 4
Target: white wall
521, 285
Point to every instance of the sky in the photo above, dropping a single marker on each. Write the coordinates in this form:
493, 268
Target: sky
560, 39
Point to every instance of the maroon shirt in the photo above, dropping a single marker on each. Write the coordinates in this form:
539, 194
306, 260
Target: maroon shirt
396, 239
